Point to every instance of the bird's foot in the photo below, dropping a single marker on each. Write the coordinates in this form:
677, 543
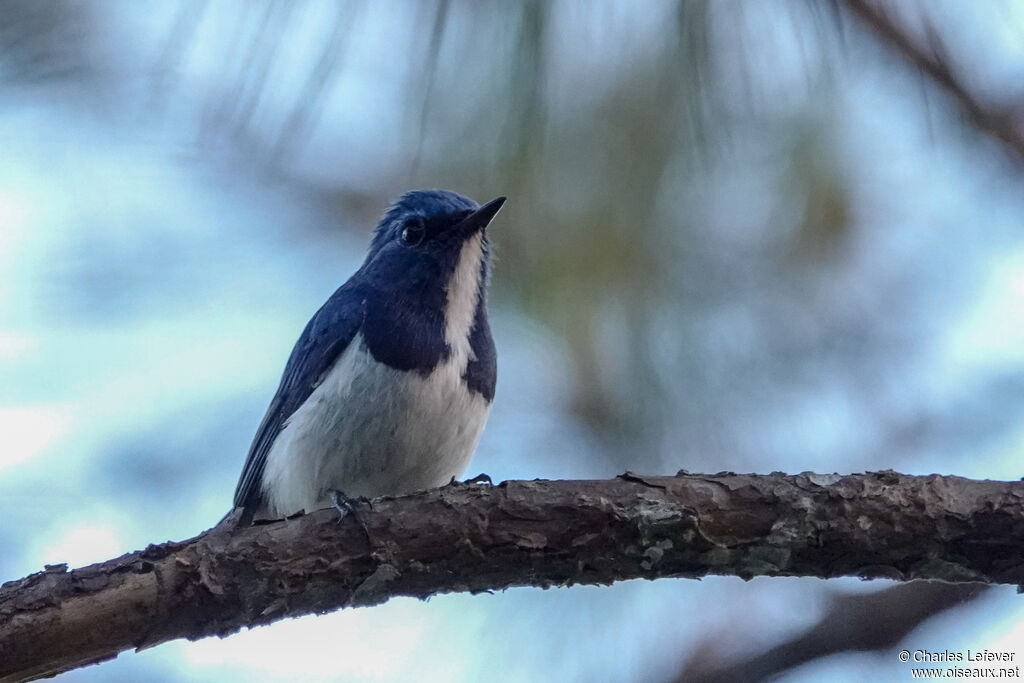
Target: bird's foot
345, 507
482, 478
343, 504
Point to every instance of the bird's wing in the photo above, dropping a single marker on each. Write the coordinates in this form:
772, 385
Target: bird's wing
327, 335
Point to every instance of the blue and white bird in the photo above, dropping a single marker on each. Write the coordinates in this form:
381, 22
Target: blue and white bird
388, 388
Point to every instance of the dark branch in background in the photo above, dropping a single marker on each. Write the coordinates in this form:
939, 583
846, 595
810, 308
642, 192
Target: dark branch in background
522, 533
997, 121
853, 623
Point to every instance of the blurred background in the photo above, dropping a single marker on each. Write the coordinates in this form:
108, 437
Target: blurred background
783, 235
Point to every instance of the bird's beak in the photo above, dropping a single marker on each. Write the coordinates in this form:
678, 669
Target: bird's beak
481, 218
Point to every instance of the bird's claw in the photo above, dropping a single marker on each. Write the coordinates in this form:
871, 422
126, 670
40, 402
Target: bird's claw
343, 504
345, 507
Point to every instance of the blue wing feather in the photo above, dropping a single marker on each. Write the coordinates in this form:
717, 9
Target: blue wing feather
327, 335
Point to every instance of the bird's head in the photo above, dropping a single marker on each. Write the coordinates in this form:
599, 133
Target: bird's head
431, 224
425, 277
425, 237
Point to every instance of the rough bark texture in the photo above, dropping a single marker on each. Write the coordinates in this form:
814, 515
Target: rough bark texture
468, 537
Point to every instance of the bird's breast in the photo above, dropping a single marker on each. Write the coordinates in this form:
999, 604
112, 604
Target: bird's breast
369, 429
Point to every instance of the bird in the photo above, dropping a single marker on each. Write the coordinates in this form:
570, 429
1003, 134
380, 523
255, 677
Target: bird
388, 387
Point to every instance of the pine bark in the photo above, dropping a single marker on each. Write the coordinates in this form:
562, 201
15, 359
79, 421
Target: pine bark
469, 537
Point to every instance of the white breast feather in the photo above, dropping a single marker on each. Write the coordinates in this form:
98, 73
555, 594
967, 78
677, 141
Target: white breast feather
463, 296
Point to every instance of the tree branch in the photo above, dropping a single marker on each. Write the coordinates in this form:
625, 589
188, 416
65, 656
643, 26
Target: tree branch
997, 122
539, 533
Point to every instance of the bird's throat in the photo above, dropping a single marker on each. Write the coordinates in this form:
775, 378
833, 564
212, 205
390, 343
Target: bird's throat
463, 297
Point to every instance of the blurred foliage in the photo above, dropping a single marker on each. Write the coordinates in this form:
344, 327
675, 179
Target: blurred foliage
47, 42
605, 141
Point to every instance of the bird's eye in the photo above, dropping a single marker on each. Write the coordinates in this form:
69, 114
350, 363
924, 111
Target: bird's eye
413, 233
